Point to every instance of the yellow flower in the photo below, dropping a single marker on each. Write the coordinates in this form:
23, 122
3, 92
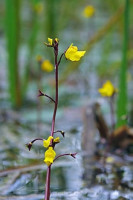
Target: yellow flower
50, 41
57, 140
46, 143
107, 90
49, 156
73, 54
88, 11
47, 66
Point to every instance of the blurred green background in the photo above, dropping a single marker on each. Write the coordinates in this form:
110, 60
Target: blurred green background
25, 25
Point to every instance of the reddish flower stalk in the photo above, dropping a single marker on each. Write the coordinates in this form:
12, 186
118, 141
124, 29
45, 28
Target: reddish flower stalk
42, 94
47, 190
51, 142
66, 154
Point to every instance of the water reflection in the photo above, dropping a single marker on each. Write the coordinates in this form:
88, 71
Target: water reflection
87, 177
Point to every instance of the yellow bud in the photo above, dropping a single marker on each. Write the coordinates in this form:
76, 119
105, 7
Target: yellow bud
57, 140
50, 41
56, 39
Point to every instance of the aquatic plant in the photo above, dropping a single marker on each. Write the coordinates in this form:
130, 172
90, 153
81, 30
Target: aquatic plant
50, 157
108, 91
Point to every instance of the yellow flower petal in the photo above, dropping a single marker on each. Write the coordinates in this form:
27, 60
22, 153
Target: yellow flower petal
73, 54
46, 143
47, 66
78, 55
89, 11
50, 41
49, 156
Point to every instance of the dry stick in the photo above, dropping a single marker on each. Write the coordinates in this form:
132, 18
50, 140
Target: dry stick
95, 38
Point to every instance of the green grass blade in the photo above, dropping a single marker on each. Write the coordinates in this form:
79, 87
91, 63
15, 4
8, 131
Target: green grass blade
122, 95
35, 28
12, 33
51, 12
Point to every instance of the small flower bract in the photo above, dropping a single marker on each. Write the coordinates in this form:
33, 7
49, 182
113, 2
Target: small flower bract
46, 143
107, 90
47, 66
73, 54
49, 156
88, 11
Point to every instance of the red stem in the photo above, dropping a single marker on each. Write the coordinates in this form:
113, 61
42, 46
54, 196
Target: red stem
56, 95
49, 97
66, 154
47, 191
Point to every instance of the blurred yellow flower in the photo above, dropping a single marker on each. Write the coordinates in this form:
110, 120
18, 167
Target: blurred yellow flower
49, 156
38, 7
89, 11
107, 90
47, 66
46, 143
110, 160
73, 54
